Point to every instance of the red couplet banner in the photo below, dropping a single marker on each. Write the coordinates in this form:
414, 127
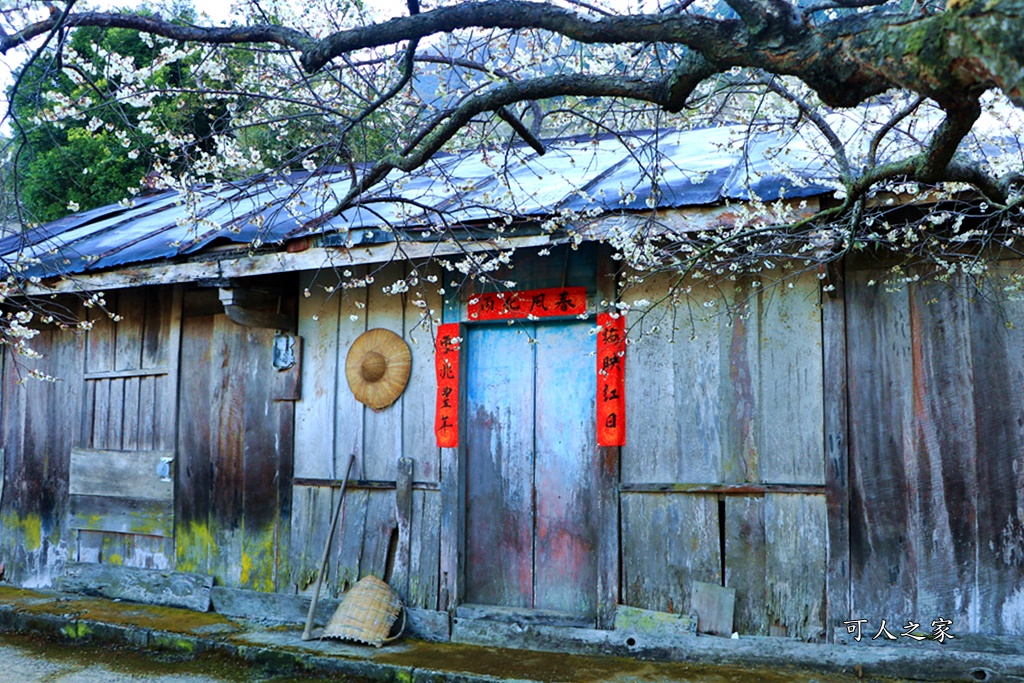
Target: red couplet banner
535, 303
446, 360
611, 380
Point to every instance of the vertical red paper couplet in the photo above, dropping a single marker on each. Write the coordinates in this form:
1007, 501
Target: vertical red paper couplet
611, 380
446, 361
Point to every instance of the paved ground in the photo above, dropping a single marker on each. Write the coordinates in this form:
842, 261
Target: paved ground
33, 660
93, 640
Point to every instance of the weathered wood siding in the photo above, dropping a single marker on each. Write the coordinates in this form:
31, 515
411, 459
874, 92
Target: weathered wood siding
129, 408
232, 505
725, 454
330, 424
937, 453
39, 428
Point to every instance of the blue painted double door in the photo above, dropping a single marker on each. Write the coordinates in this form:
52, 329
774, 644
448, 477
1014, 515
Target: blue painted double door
531, 466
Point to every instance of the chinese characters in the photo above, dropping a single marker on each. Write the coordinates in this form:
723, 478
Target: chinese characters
535, 303
940, 630
446, 359
611, 376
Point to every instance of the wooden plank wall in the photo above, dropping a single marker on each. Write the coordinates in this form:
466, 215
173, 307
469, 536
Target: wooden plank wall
37, 442
330, 424
130, 405
937, 453
725, 454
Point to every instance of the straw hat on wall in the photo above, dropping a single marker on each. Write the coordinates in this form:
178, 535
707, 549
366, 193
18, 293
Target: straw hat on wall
377, 367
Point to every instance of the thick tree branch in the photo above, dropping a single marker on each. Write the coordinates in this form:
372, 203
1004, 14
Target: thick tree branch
443, 128
281, 35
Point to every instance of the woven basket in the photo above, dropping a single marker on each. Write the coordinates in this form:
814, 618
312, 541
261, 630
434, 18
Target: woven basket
366, 613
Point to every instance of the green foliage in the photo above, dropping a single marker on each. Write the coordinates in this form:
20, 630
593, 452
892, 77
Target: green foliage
81, 161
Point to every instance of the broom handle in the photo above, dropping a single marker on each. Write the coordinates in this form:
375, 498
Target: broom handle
307, 633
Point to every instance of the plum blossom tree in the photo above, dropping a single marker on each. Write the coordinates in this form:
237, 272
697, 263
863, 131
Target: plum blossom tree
900, 98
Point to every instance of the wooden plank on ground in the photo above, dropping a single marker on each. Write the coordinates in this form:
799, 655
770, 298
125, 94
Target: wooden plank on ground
796, 557
685, 530
744, 562
120, 474
715, 607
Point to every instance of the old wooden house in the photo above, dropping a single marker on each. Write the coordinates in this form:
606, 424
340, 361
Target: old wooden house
855, 453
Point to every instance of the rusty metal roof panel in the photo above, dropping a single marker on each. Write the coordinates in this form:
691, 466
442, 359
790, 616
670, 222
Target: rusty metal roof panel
605, 173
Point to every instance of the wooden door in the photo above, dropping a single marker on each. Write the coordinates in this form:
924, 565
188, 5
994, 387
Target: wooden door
234, 451
531, 467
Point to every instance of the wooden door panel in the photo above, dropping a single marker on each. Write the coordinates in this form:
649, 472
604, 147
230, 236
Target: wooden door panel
499, 467
566, 468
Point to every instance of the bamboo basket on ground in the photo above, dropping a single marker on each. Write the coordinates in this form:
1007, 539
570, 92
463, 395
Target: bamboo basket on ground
366, 613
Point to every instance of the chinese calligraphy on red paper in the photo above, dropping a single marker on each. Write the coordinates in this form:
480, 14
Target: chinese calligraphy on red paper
611, 380
535, 303
446, 358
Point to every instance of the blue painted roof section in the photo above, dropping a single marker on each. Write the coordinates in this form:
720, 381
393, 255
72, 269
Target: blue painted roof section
604, 174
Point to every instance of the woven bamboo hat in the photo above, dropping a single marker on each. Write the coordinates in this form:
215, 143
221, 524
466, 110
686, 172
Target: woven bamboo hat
377, 367
366, 613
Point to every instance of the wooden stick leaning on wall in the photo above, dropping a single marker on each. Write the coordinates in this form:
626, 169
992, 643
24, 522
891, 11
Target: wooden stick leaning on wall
307, 633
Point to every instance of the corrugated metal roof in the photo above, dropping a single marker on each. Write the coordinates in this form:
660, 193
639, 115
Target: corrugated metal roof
605, 174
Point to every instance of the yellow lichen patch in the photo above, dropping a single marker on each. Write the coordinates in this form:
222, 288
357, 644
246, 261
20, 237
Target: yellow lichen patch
29, 527
193, 546
259, 553
115, 559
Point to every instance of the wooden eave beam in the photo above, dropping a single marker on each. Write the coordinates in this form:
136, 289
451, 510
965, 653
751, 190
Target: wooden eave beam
691, 219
